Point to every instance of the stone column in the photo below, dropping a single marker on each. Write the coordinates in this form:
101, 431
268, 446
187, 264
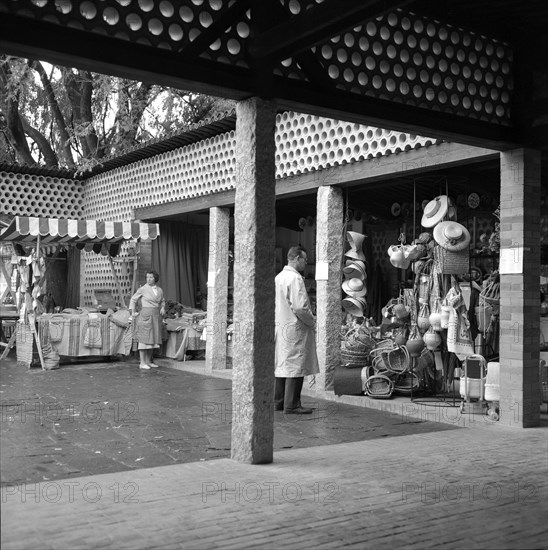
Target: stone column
519, 301
217, 288
254, 272
329, 251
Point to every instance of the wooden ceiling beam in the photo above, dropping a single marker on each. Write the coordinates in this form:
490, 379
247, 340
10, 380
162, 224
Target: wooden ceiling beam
34, 39
231, 15
316, 24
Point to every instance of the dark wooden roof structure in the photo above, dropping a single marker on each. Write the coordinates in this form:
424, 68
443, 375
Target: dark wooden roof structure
469, 71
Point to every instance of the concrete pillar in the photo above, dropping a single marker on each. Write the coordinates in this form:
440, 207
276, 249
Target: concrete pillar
519, 302
254, 272
217, 288
329, 251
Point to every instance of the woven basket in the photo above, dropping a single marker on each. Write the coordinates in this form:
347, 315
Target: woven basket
407, 383
393, 361
383, 345
354, 359
379, 386
25, 347
491, 295
452, 262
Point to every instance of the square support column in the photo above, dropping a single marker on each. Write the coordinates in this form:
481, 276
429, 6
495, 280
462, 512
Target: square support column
254, 272
329, 252
519, 292
217, 288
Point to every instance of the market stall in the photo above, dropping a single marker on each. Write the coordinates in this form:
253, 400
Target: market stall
438, 338
72, 332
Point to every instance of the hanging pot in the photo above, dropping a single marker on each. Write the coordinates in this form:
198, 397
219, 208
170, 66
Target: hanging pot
415, 343
432, 339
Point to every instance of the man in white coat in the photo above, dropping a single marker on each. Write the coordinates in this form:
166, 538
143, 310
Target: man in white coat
294, 335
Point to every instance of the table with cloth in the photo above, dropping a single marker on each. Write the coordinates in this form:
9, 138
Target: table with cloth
80, 335
183, 335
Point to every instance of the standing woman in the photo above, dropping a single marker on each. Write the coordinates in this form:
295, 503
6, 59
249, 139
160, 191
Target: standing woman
148, 321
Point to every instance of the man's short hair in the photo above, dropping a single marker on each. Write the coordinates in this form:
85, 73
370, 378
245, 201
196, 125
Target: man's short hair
295, 252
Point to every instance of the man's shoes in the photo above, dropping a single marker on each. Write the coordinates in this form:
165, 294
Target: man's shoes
299, 410
153, 365
144, 367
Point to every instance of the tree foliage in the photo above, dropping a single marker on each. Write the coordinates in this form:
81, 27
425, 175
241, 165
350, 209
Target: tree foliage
66, 117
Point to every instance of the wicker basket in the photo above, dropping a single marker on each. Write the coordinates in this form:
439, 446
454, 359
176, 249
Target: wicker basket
379, 386
25, 347
407, 383
354, 359
383, 345
394, 361
452, 262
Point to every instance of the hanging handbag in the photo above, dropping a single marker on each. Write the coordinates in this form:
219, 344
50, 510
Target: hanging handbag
423, 319
452, 262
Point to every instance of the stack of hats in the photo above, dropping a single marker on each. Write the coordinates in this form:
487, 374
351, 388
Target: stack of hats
355, 276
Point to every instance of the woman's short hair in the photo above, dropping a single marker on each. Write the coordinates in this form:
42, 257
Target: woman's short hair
155, 274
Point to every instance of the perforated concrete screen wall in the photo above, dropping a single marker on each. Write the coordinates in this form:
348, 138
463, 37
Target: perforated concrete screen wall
41, 196
304, 143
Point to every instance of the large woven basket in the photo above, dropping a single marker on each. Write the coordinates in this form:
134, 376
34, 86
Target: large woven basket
392, 361
25, 347
407, 383
354, 359
379, 386
383, 345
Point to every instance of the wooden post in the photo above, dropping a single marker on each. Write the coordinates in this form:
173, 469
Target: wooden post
117, 281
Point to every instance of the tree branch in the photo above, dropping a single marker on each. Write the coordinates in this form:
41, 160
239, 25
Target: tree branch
42, 142
56, 111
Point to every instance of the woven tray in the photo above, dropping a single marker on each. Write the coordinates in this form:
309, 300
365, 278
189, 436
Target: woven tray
379, 386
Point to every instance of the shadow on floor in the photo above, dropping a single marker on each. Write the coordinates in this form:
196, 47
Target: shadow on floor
103, 417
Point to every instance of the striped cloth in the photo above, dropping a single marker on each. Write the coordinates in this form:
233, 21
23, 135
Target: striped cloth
80, 336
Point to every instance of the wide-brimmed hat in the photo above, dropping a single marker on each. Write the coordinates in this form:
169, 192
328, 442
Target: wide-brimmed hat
355, 240
452, 236
355, 254
354, 287
435, 211
354, 306
355, 268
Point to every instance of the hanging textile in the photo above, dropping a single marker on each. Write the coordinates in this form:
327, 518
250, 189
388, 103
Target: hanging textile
180, 255
72, 296
459, 340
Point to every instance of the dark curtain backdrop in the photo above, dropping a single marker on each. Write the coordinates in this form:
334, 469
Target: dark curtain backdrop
72, 296
180, 255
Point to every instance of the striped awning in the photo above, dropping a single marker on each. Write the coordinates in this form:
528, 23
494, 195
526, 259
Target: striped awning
24, 229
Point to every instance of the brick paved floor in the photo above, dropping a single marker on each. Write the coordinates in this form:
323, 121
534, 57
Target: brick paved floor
466, 488
483, 486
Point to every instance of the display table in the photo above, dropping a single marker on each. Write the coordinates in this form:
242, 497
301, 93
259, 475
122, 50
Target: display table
182, 337
74, 335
